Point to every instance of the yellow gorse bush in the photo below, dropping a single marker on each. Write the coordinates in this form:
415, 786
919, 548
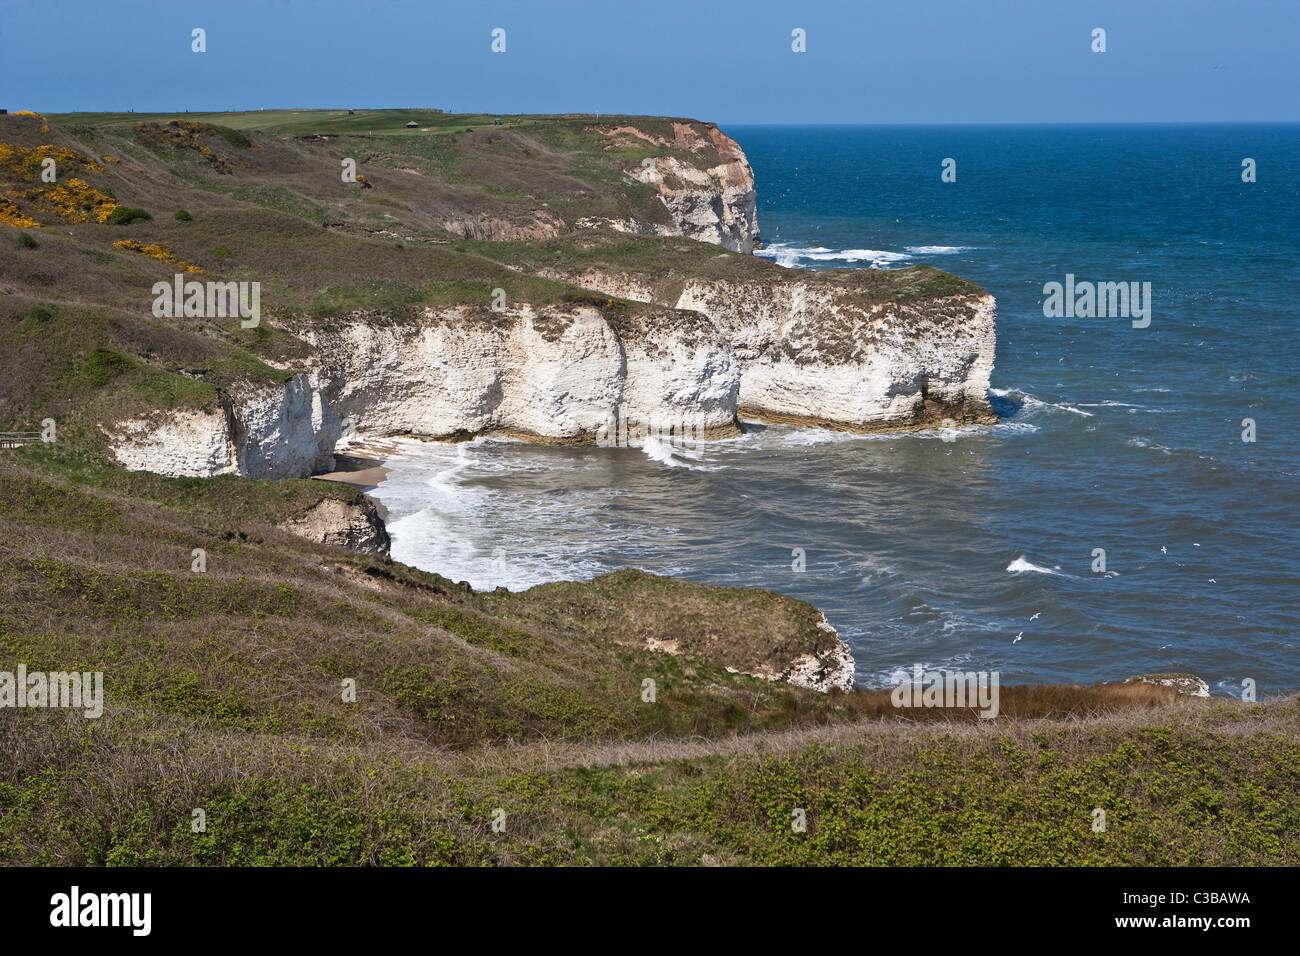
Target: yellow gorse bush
72, 200
76, 201
11, 215
154, 251
21, 163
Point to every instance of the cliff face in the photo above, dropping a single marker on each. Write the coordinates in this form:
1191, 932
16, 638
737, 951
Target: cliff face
288, 432
705, 183
811, 355
559, 373
554, 374
790, 349
813, 352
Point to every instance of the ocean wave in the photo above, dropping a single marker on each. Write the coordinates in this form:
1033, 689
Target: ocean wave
788, 255
1020, 565
937, 250
1028, 401
776, 437
781, 437
440, 517
957, 622
873, 571
1062, 406
901, 674
666, 454
1143, 443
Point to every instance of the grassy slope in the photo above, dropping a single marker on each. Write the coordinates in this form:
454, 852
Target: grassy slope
223, 693
224, 687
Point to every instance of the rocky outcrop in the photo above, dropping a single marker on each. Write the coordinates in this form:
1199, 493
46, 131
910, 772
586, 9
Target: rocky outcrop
1186, 684
533, 225
556, 374
704, 181
356, 525
743, 630
828, 667
815, 351
287, 432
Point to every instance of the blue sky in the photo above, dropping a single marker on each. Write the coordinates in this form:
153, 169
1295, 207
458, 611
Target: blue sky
903, 61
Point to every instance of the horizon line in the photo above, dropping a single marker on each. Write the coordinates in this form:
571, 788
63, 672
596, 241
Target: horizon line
772, 123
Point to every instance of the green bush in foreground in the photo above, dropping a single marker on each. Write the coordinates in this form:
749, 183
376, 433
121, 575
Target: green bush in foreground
125, 215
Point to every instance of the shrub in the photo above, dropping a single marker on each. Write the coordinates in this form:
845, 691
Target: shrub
27, 241
101, 365
182, 215
36, 320
221, 252
125, 215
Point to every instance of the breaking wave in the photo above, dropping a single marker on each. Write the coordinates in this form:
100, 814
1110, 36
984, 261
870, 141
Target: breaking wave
1020, 565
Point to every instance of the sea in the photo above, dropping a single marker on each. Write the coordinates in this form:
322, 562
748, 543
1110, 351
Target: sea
1134, 510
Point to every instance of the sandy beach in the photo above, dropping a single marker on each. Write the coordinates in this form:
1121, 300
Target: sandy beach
362, 466
363, 471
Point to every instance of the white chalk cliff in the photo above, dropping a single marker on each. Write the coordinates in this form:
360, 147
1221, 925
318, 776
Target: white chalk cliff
813, 353
285, 432
556, 374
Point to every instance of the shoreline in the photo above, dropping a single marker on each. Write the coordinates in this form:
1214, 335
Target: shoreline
364, 466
